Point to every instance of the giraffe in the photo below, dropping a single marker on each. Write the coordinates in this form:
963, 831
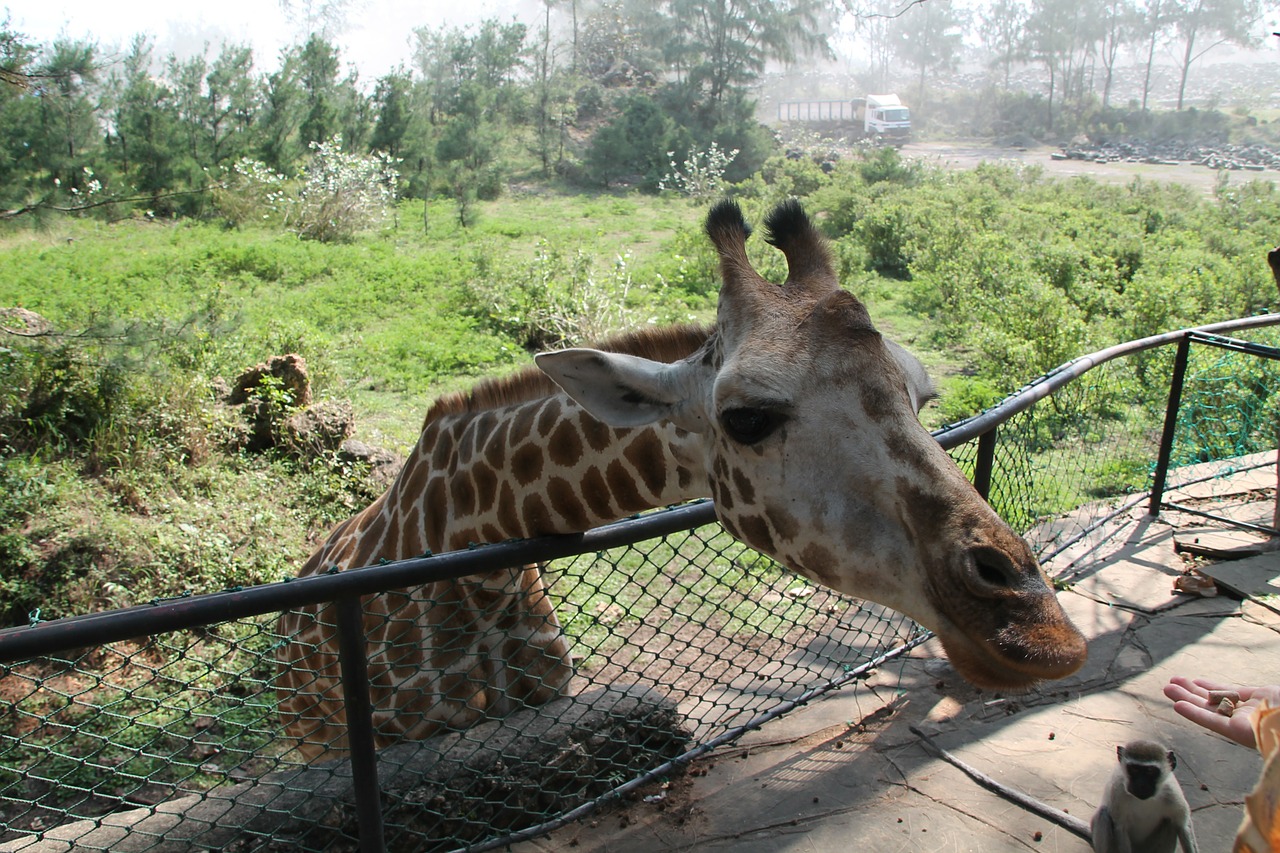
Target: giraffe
792, 412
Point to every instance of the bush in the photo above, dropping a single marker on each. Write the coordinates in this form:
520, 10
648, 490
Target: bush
249, 192
342, 194
56, 396
631, 146
556, 299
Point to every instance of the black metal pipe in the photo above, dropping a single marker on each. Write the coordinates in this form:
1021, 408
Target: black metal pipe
159, 617
1227, 520
954, 435
1170, 426
985, 462
1237, 345
354, 661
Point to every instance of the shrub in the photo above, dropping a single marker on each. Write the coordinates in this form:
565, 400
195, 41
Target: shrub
249, 192
701, 176
342, 194
556, 299
631, 146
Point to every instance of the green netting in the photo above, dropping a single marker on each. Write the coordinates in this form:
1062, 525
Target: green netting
1229, 405
679, 642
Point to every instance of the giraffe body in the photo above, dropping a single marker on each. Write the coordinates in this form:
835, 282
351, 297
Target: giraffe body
793, 413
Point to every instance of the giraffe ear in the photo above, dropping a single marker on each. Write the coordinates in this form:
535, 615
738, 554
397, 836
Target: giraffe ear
623, 390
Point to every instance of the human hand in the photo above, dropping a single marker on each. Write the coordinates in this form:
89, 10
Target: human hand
1191, 700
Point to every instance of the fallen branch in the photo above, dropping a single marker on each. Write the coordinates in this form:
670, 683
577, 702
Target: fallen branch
1070, 823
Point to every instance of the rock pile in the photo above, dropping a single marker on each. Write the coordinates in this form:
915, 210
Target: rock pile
1255, 158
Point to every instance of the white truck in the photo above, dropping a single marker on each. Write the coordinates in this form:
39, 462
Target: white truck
881, 117
884, 116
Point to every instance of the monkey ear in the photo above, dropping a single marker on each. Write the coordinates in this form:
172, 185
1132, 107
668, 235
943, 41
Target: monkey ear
1173, 760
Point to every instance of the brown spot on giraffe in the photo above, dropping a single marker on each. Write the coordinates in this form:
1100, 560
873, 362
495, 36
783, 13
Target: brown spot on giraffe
462, 494
755, 532
526, 463
645, 447
622, 487
548, 418
816, 562
565, 503
486, 482
596, 493
745, 491
565, 446
783, 523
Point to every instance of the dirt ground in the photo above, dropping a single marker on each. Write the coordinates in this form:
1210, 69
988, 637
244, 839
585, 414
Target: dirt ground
966, 155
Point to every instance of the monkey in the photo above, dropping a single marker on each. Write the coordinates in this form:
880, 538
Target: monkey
1143, 809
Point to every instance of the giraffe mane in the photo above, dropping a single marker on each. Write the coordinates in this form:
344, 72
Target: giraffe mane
666, 344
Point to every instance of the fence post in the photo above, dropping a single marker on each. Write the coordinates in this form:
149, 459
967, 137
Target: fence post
354, 660
1170, 425
985, 462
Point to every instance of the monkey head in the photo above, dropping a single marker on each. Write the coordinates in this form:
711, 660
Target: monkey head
1145, 765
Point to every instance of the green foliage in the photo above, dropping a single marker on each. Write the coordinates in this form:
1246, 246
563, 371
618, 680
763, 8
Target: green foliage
633, 145
58, 396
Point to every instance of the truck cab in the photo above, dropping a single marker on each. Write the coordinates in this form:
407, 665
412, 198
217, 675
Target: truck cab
887, 116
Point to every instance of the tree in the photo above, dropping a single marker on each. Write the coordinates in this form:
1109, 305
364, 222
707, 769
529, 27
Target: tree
67, 134
1119, 25
929, 37
1000, 26
235, 102
633, 144
1060, 34
719, 46
318, 76
619, 45
469, 78
145, 139
18, 115
1215, 21
1153, 19
281, 115
392, 107
186, 80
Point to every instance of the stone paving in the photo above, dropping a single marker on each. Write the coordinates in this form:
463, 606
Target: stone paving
845, 773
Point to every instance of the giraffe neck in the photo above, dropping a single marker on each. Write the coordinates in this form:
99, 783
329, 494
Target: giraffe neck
536, 468
516, 458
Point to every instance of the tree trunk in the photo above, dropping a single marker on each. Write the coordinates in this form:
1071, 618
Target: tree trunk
1151, 58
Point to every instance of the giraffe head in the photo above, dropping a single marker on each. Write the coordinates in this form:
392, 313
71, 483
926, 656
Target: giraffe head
807, 421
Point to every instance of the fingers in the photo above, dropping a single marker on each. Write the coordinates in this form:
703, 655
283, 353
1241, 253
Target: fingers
1211, 720
1183, 690
1181, 687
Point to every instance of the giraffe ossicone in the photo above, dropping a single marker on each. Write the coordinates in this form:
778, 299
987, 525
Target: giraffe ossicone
793, 413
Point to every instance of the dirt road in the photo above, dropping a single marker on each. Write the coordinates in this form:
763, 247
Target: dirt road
966, 155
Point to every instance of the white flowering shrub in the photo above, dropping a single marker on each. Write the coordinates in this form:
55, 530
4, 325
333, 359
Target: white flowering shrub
250, 192
560, 298
338, 195
701, 176
342, 193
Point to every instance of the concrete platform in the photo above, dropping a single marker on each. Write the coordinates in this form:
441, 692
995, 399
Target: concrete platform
846, 774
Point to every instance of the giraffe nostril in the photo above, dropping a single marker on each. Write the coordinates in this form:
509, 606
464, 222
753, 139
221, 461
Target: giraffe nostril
994, 568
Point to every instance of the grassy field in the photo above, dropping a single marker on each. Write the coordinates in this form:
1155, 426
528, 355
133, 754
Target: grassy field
388, 321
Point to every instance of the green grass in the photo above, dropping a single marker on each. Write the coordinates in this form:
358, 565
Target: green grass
388, 321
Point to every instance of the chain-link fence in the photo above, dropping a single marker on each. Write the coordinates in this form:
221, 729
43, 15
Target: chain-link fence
156, 728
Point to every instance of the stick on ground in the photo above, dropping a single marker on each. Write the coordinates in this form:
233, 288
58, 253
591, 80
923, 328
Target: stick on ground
1070, 823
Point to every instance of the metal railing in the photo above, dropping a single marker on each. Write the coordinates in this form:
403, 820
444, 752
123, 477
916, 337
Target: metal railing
975, 441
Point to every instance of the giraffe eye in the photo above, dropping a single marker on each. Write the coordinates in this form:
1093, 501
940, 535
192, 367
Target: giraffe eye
748, 426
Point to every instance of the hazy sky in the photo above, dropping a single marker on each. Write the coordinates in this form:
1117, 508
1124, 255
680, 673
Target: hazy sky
375, 40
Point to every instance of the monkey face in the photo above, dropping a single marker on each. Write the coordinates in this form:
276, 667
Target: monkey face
1143, 779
